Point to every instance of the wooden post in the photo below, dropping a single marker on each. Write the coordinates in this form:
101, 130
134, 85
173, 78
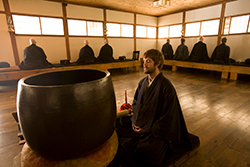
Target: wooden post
221, 25
66, 32
104, 23
134, 32
11, 31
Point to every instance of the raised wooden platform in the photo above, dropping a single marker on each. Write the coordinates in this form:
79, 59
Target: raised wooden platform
226, 70
14, 73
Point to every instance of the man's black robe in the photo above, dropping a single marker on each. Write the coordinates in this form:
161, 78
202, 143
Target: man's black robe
86, 55
181, 52
34, 58
163, 118
221, 54
106, 54
167, 51
199, 53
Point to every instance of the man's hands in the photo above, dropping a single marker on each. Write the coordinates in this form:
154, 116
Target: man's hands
138, 129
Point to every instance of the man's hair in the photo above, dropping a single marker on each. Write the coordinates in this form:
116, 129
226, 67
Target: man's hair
32, 41
201, 38
183, 40
156, 56
168, 40
86, 42
106, 40
224, 40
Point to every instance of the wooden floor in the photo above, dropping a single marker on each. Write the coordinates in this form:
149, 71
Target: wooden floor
218, 111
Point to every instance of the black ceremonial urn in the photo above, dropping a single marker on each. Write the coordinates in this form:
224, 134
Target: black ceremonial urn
66, 114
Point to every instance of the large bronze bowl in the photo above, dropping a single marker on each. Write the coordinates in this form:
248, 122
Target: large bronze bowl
66, 114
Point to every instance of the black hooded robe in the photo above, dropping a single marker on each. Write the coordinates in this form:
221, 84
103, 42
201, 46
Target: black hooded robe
199, 53
106, 54
156, 108
221, 54
167, 51
86, 55
34, 58
181, 52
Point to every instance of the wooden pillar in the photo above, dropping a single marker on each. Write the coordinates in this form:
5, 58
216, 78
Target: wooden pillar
66, 32
11, 31
134, 32
221, 25
183, 24
104, 23
157, 33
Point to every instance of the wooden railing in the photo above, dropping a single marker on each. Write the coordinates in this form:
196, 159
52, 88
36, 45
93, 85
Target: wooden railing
227, 71
13, 73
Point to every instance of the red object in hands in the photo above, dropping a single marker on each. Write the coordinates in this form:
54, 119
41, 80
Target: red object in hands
126, 105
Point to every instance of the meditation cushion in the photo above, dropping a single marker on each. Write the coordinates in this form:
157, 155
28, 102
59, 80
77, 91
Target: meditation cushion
247, 61
4, 64
99, 158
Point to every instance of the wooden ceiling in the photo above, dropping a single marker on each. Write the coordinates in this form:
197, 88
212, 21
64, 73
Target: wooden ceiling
145, 6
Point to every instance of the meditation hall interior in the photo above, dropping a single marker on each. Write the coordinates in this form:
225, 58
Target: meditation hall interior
214, 97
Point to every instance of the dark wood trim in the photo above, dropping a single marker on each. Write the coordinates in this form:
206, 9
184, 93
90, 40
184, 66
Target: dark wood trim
135, 32
170, 25
12, 34
34, 15
242, 14
202, 20
184, 24
145, 25
84, 19
248, 33
221, 24
119, 22
104, 23
65, 28
248, 24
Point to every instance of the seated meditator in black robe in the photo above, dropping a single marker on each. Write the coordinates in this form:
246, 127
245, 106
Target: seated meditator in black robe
86, 54
34, 57
106, 53
157, 127
167, 50
181, 52
221, 53
199, 52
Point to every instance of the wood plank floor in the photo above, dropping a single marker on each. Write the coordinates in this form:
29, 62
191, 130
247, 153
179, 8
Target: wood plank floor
218, 111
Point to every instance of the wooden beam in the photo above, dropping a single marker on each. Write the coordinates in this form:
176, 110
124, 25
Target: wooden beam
221, 25
18, 74
134, 32
183, 24
104, 23
11, 32
66, 32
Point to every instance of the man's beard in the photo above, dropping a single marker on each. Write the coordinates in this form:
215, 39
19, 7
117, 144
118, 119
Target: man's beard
149, 71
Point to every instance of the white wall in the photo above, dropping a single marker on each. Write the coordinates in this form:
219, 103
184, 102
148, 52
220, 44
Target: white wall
203, 13
144, 45
82, 12
239, 46
1, 6
237, 7
146, 20
6, 53
124, 17
209, 41
76, 44
170, 19
37, 7
54, 47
